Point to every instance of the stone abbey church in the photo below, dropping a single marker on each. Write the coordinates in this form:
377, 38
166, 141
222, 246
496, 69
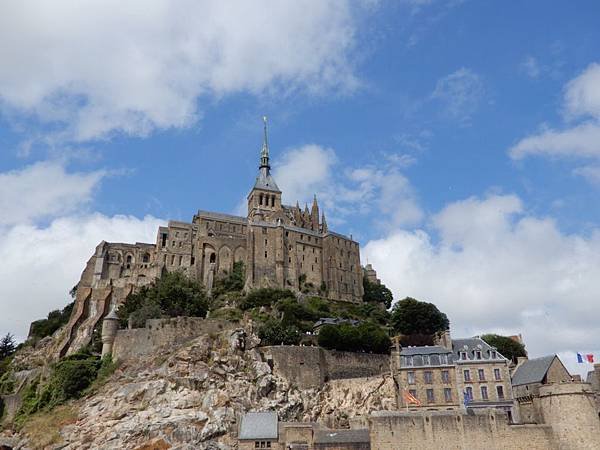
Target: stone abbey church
281, 246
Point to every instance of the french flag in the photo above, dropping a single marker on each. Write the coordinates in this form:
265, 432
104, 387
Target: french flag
588, 358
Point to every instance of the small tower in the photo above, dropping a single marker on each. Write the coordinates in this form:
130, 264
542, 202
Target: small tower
110, 325
265, 195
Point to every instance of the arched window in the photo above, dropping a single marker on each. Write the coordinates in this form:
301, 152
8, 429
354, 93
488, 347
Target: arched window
260, 199
272, 200
213, 257
129, 259
146, 258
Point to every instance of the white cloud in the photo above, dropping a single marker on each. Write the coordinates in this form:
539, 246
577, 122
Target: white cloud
579, 140
100, 67
496, 268
531, 67
41, 264
344, 191
461, 93
582, 94
590, 173
43, 190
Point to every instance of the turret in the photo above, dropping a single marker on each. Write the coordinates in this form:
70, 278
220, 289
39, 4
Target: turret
110, 325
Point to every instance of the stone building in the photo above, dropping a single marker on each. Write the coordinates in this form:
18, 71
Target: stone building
281, 246
483, 375
261, 430
527, 379
427, 374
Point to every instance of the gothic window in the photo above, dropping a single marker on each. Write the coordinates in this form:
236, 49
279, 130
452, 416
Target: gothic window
192, 261
173, 260
180, 260
260, 199
273, 201
290, 259
146, 258
287, 233
129, 259
265, 254
164, 240
212, 258
266, 242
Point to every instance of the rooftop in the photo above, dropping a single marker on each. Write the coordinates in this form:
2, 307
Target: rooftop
341, 436
424, 350
532, 370
259, 425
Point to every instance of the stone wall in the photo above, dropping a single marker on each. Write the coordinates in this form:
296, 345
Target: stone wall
482, 430
312, 366
163, 334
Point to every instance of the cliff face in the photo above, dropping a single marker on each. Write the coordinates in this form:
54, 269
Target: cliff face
194, 396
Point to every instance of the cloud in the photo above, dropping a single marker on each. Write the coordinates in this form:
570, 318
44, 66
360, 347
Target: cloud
492, 267
43, 190
41, 264
380, 189
93, 69
590, 173
460, 92
531, 67
577, 140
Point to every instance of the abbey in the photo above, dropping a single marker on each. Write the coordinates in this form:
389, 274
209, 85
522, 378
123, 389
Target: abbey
281, 246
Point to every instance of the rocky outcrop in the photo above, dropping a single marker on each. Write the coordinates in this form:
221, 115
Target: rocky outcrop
194, 396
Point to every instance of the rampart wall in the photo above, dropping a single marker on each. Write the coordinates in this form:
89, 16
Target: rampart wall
456, 430
163, 334
312, 366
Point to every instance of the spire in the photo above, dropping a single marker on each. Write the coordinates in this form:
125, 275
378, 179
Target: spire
314, 214
323, 224
264, 154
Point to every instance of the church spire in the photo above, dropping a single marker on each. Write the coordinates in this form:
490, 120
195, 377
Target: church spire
323, 224
314, 214
264, 154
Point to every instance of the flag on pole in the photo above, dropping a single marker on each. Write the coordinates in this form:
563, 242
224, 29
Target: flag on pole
409, 398
590, 358
579, 358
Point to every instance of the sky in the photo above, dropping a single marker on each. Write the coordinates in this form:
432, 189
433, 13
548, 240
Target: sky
457, 141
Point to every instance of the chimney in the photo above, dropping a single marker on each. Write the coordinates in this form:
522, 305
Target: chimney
443, 339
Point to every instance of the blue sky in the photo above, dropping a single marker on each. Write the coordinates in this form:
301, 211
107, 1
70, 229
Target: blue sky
456, 140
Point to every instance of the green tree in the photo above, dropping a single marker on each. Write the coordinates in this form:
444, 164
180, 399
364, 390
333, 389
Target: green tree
410, 316
265, 297
509, 348
377, 293
7, 346
365, 337
55, 319
233, 282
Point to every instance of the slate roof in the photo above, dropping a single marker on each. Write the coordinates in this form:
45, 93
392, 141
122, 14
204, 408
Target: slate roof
221, 216
266, 182
424, 350
259, 425
532, 370
341, 436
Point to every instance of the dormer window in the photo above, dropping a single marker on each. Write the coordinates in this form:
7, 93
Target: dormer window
426, 361
494, 354
478, 354
463, 355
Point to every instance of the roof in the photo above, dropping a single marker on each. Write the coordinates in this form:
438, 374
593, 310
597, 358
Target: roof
341, 436
266, 182
221, 216
532, 370
259, 425
470, 345
424, 350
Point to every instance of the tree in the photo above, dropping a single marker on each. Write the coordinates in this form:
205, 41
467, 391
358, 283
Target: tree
55, 319
508, 347
7, 346
273, 332
410, 316
377, 293
365, 337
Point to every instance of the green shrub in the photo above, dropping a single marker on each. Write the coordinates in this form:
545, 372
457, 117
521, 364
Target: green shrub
273, 332
232, 282
265, 297
56, 319
7, 383
377, 293
231, 314
107, 367
174, 294
365, 337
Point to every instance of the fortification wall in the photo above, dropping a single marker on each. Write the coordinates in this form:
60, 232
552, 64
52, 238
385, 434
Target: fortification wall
571, 411
454, 430
163, 334
312, 366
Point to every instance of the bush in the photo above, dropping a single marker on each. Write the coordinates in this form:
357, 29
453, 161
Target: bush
265, 297
273, 332
227, 313
56, 319
172, 295
506, 346
365, 337
233, 282
377, 293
